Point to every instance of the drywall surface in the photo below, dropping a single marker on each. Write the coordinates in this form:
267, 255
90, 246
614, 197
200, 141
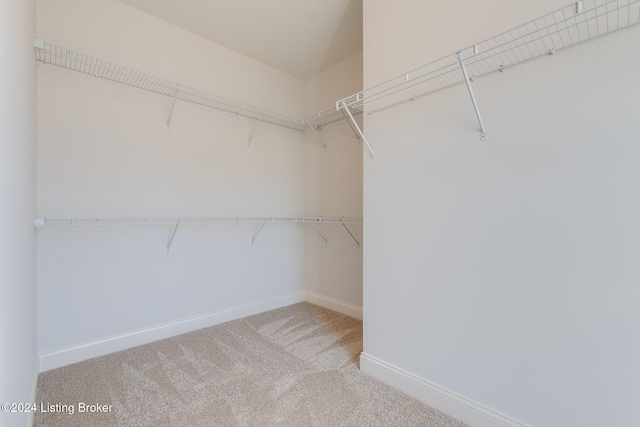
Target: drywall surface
505, 271
104, 151
333, 187
17, 208
322, 90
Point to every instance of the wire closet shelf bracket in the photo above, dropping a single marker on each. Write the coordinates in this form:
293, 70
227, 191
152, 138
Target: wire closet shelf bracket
575, 23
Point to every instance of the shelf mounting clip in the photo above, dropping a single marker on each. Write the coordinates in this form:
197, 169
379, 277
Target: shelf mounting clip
483, 130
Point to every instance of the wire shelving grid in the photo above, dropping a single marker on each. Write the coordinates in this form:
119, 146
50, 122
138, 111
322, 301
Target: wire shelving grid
567, 26
77, 61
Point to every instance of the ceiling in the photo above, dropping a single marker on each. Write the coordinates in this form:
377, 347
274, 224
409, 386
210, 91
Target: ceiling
299, 37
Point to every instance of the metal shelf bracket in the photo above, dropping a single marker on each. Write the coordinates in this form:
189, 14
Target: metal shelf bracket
318, 137
252, 134
172, 236
344, 108
350, 233
173, 104
355, 132
483, 130
326, 241
257, 233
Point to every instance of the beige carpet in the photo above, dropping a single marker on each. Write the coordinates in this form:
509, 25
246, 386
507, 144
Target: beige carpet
295, 366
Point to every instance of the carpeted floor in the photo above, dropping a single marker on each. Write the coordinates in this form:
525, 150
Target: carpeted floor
294, 366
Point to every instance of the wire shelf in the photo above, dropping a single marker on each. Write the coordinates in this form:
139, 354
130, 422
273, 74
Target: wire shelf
567, 26
77, 61
132, 221
176, 222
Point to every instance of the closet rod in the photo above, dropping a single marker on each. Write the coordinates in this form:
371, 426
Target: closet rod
127, 221
177, 222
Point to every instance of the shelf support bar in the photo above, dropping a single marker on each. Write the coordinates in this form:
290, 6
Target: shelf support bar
483, 130
172, 236
173, 104
257, 233
315, 132
353, 121
254, 129
350, 125
326, 241
350, 233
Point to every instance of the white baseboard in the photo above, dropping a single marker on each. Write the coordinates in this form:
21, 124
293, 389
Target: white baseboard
433, 395
335, 305
86, 351
34, 388
56, 359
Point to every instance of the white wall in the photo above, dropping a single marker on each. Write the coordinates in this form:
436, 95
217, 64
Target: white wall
104, 150
505, 271
333, 187
18, 358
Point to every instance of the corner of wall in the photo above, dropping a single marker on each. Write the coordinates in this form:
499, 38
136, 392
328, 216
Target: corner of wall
345, 308
34, 387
